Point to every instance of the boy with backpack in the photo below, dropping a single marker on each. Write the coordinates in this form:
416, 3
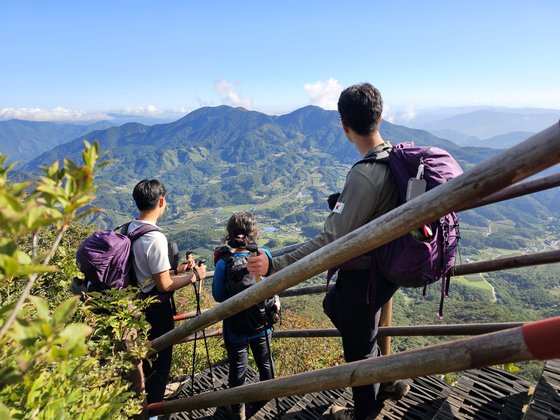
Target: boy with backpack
151, 266
368, 193
248, 328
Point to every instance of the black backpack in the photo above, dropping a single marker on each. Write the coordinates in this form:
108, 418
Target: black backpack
257, 317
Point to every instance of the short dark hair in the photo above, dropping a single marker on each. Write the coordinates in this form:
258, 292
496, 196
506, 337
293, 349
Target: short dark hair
242, 230
360, 106
147, 193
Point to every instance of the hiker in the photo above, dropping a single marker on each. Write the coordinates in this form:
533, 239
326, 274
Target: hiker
241, 331
151, 265
369, 192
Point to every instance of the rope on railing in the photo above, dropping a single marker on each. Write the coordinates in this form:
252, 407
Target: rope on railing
527, 342
521, 161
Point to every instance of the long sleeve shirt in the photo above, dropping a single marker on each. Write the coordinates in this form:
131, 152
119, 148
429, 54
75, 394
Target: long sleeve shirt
369, 192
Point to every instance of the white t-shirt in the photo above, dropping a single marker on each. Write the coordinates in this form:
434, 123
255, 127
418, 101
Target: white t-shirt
150, 255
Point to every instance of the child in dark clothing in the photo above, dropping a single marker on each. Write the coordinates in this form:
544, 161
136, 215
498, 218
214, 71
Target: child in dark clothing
241, 231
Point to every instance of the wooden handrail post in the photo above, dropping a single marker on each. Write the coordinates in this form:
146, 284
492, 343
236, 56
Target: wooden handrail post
521, 161
385, 320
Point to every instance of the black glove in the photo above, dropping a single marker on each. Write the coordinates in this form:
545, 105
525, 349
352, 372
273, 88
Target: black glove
333, 198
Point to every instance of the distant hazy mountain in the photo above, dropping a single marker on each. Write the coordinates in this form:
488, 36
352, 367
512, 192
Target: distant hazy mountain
487, 123
505, 141
24, 140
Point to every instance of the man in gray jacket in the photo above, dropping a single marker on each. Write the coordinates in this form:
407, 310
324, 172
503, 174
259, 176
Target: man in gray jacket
369, 192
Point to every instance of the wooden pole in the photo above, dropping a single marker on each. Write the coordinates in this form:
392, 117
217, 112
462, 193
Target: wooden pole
404, 331
407, 331
517, 190
186, 315
385, 320
521, 161
528, 342
505, 263
307, 290
192, 337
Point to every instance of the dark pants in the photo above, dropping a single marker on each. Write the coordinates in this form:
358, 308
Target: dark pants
357, 320
160, 317
238, 360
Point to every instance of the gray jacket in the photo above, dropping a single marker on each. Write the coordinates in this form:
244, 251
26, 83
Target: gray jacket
369, 192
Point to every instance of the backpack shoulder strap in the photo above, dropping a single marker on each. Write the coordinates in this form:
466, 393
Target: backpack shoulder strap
142, 230
381, 157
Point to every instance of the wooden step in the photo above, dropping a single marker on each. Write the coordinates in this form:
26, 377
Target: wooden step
487, 393
545, 402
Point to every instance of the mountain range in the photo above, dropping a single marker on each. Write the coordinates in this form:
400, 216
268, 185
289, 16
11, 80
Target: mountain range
486, 126
25, 140
220, 156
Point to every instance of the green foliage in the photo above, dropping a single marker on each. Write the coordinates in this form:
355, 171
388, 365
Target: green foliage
49, 371
60, 358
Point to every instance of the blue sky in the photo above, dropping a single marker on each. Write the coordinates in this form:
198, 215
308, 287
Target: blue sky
79, 60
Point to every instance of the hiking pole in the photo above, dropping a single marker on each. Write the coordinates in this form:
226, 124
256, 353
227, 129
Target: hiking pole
198, 312
254, 250
197, 298
195, 336
266, 324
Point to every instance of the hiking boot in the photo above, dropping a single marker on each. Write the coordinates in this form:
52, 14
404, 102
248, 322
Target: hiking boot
338, 412
393, 390
172, 389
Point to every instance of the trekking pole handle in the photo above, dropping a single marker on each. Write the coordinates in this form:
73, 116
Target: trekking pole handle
254, 250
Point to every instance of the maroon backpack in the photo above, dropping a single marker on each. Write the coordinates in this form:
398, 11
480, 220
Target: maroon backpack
105, 258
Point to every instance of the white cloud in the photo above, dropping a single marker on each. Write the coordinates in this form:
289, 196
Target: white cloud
55, 114
399, 115
150, 110
324, 93
66, 114
229, 96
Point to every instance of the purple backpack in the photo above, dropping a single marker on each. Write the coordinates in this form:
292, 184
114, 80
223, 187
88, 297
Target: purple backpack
426, 254
105, 258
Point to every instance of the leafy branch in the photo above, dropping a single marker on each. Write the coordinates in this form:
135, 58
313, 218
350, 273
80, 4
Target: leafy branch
57, 199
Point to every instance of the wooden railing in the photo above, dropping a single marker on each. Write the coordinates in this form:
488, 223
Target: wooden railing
481, 184
527, 158
406, 331
528, 342
505, 263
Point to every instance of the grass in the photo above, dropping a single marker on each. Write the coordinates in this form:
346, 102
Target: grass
474, 280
